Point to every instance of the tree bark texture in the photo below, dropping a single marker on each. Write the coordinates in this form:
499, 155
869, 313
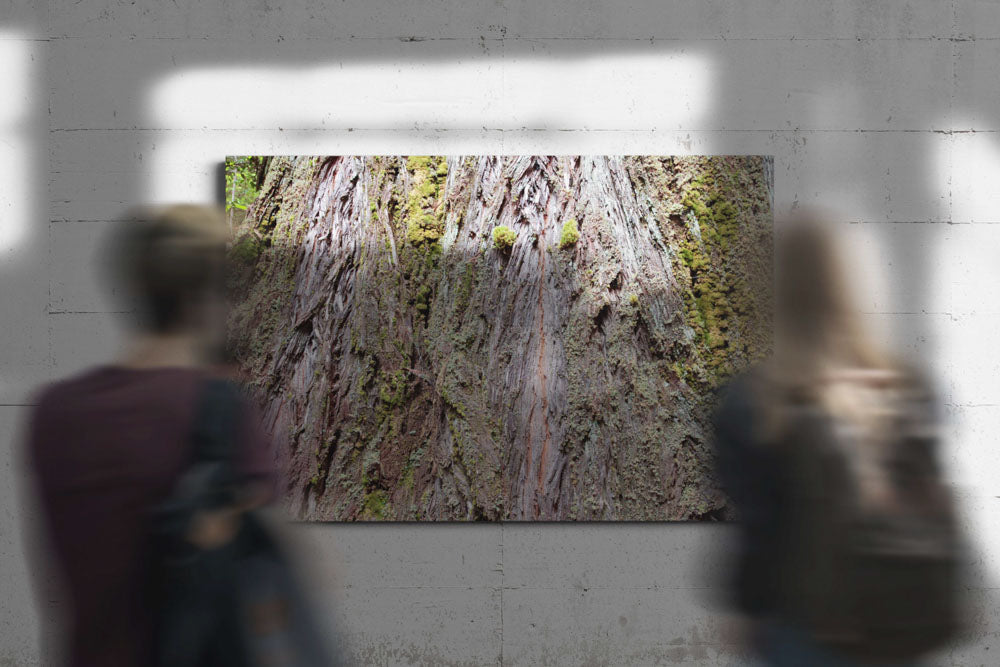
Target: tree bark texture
431, 340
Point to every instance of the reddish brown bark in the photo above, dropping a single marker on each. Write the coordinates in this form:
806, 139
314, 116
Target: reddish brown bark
418, 372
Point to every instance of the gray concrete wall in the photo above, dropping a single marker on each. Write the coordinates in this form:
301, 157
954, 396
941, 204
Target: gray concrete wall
889, 111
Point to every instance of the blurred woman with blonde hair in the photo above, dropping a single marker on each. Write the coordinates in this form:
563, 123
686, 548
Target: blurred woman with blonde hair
848, 549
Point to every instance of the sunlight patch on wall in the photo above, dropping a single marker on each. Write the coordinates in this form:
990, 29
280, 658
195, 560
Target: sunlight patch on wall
452, 107
967, 172
975, 175
15, 103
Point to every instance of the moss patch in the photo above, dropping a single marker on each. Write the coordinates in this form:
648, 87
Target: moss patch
376, 505
570, 234
424, 212
503, 237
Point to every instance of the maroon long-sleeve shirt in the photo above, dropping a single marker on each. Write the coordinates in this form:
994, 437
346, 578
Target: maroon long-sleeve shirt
106, 447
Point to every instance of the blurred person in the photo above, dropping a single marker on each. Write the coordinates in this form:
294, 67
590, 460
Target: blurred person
146, 470
848, 550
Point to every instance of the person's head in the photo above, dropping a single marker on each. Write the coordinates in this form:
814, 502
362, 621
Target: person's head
172, 262
818, 318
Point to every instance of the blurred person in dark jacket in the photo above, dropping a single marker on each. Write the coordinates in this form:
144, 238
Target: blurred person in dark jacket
108, 445
848, 550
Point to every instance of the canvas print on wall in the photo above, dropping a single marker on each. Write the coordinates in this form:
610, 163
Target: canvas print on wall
489, 338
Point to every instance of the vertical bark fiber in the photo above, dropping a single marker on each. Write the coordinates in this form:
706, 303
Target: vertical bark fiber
416, 365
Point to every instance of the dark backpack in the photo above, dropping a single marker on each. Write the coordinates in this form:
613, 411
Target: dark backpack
238, 605
874, 551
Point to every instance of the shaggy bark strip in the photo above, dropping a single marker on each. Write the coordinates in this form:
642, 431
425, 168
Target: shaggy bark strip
489, 338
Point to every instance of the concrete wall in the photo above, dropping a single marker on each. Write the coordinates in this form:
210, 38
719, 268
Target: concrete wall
890, 111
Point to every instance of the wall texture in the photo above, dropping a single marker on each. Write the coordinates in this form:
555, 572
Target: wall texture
888, 111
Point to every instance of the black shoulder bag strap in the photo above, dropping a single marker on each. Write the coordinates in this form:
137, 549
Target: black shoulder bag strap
187, 580
214, 441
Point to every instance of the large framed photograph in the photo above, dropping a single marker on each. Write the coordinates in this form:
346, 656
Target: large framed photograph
498, 338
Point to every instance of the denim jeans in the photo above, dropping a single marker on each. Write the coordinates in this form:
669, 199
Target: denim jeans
785, 645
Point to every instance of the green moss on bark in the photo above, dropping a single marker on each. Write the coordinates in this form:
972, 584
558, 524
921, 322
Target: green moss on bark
570, 234
503, 237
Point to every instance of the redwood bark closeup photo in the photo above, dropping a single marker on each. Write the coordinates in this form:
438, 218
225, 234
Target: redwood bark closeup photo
512, 338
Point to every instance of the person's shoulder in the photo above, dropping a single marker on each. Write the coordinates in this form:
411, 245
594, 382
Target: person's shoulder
919, 381
736, 405
737, 392
55, 410
918, 399
59, 392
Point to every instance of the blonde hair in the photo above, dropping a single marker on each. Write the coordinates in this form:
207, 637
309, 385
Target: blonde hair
824, 355
818, 322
